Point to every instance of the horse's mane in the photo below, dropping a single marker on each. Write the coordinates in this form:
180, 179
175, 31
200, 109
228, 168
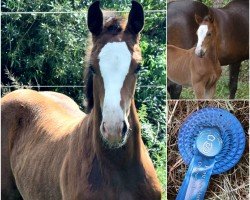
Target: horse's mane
114, 24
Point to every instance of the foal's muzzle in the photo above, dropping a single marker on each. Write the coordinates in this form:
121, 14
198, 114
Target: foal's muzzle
114, 133
200, 53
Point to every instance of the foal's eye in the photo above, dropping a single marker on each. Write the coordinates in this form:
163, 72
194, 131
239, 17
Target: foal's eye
209, 34
138, 68
92, 70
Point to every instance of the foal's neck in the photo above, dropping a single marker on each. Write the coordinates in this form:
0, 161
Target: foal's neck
212, 52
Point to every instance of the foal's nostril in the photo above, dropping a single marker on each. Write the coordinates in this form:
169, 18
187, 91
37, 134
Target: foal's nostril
202, 53
124, 129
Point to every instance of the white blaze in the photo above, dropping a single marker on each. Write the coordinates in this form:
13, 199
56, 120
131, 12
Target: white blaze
114, 62
201, 33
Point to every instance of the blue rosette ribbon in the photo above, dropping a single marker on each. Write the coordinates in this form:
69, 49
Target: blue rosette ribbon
211, 141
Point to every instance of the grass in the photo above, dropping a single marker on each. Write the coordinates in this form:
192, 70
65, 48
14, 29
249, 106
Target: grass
222, 89
233, 184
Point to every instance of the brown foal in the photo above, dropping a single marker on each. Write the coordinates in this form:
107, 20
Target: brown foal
198, 67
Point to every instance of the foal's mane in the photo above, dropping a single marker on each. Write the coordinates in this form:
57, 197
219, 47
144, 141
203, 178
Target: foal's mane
113, 24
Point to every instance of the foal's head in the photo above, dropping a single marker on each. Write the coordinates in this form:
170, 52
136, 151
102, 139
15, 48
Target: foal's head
206, 34
114, 63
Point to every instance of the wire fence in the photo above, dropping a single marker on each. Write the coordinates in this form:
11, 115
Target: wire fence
69, 12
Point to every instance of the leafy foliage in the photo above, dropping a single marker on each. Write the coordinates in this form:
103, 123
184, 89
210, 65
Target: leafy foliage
70, 5
217, 3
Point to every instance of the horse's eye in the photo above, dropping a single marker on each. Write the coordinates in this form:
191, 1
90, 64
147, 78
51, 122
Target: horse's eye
209, 34
138, 68
92, 70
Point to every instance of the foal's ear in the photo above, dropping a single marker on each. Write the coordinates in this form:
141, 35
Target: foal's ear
210, 16
135, 18
198, 19
95, 18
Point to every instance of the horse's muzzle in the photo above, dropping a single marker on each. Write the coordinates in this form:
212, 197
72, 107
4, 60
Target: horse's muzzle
200, 53
114, 133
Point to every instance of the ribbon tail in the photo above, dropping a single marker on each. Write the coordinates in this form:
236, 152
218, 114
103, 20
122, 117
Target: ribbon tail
197, 178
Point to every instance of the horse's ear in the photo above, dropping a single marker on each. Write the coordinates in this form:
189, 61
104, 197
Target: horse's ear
198, 19
135, 18
210, 16
95, 18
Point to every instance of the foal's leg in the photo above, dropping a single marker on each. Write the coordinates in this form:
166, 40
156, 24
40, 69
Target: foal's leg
234, 70
174, 90
209, 94
199, 90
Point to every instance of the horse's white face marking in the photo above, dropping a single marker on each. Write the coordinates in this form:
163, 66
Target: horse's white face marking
201, 33
114, 62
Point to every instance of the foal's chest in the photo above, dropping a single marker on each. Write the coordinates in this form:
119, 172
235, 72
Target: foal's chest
108, 193
123, 187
